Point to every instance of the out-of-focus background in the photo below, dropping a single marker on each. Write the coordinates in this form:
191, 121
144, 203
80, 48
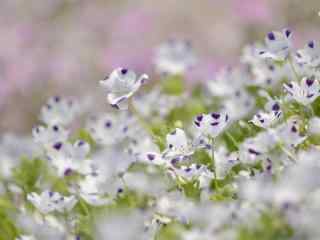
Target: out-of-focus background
56, 47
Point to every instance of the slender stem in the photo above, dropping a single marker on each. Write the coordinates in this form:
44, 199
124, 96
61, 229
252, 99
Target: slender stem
289, 154
234, 142
214, 165
140, 118
293, 69
282, 147
310, 108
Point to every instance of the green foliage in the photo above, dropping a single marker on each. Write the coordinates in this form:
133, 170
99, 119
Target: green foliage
173, 85
8, 231
192, 190
271, 226
27, 174
169, 232
201, 156
316, 107
186, 112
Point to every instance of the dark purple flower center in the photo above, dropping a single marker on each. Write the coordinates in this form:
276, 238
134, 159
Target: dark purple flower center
271, 36
108, 124
288, 33
215, 115
124, 71
57, 146
151, 157
309, 82
311, 44
276, 107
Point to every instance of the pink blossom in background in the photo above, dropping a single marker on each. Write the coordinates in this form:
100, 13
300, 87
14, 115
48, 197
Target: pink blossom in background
252, 11
204, 70
128, 45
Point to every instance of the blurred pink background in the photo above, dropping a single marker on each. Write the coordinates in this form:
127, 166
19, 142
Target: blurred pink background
60, 47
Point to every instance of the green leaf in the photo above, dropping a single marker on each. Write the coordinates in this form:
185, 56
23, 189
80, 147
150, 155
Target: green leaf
27, 173
173, 85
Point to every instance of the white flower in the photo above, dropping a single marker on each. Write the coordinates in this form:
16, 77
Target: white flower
67, 158
174, 57
268, 74
211, 124
240, 103
309, 55
278, 45
224, 161
314, 126
90, 190
193, 172
25, 237
121, 85
178, 145
288, 133
305, 92
227, 81
253, 149
50, 134
266, 119
49, 201
108, 129
59, 111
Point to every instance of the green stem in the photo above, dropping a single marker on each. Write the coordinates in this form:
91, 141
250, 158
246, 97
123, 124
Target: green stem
140, 118
289, 154
310, 108
216, 185
293, 69
231, 138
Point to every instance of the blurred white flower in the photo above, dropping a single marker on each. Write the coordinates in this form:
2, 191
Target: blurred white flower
314, 126
26, 237
266, 119
50, 134
178, 145
211, 124
59, 111
121, 85
304, 92
109, 129
309, 55
278, 45
68, 158
49, 201
90, 189
174, 57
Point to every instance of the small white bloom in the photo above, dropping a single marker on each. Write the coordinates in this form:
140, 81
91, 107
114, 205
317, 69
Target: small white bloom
227, 81
49, 201
178, 145
304, 92
25, 237
240, 103
314, 126
59, 111
121, 85
278, 45
266, 119
193, 172
288, 133
211, 124
90, 189
108, 129
174, 57
309, 55
67, 158
50, 134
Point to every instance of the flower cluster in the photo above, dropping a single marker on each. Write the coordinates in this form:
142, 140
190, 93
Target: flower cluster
234, 158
